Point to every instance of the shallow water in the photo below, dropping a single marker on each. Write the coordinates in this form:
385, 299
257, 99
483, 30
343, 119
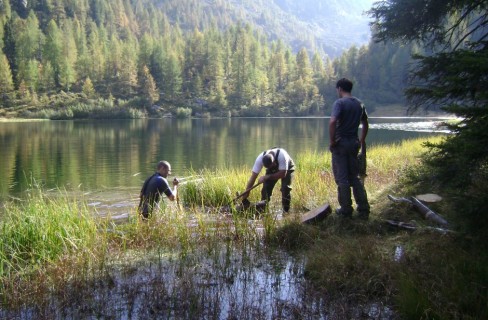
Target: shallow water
221, 283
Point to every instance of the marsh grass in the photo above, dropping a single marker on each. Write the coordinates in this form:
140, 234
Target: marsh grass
42, 230
57, 247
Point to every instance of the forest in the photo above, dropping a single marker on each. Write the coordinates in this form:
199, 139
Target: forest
137, 58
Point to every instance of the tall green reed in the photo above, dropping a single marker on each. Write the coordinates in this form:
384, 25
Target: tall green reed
41, 229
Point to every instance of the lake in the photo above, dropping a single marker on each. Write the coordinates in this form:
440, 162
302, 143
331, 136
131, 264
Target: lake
111, 155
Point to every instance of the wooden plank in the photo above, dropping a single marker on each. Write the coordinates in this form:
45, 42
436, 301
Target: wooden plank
317, 214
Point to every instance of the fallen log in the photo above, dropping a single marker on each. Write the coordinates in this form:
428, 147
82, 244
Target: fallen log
428, 214
422, 208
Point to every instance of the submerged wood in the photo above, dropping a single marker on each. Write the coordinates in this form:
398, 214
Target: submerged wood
317, 214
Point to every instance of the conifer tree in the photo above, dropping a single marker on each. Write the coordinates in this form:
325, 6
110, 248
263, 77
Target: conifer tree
88, 88
148, 87
53, 49
452, 76
68, 58
6, 82
172, 76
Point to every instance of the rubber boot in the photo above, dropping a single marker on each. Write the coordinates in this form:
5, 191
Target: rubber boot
286, 198
344, 197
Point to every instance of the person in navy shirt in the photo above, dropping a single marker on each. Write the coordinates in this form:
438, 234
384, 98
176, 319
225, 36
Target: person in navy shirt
154, 187
348, 113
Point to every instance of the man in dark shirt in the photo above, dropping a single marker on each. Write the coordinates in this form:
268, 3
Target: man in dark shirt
154, 187
347, 113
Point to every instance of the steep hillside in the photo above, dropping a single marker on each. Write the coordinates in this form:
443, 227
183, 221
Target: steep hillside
330, 26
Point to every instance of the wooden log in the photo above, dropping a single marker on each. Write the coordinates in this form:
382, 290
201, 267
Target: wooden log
428, 214
422, 208
317, 214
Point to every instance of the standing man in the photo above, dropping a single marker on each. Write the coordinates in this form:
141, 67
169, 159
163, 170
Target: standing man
347, 113
279, 165
154, 187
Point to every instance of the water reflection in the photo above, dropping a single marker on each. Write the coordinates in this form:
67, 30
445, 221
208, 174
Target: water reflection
94, 155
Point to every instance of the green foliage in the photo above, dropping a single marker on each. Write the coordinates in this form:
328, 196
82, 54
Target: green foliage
454, 79
183, 113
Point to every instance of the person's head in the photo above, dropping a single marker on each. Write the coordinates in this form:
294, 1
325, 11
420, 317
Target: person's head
164, 168
268, 160
344, 86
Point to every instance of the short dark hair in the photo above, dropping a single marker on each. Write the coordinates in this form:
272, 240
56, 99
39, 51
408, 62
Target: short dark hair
162, 164
268, 160
344, 84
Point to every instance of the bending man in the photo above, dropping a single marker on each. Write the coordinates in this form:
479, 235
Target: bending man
279, 166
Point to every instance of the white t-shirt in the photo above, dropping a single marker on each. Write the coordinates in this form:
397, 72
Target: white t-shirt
283, 160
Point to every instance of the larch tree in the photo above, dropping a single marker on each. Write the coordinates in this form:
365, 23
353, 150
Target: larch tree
148, 88
53, 48
6, 82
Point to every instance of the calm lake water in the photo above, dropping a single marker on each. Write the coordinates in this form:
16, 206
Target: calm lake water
120, 154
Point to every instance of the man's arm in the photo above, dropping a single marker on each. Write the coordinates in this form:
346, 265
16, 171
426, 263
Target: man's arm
250, 184
332, 130
174, 192
364, 132
275, 176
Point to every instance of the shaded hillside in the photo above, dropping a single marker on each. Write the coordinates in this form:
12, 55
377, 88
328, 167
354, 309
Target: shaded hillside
330, 26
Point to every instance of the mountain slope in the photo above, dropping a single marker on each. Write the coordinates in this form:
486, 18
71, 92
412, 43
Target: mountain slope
330, 26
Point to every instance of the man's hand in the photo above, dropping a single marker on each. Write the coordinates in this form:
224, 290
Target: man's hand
175, 182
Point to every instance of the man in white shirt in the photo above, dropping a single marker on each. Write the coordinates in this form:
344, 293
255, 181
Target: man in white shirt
279, 166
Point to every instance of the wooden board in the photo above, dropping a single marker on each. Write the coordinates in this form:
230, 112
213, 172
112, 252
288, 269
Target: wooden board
317, 214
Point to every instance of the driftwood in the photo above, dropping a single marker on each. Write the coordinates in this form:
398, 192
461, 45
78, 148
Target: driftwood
422, 208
